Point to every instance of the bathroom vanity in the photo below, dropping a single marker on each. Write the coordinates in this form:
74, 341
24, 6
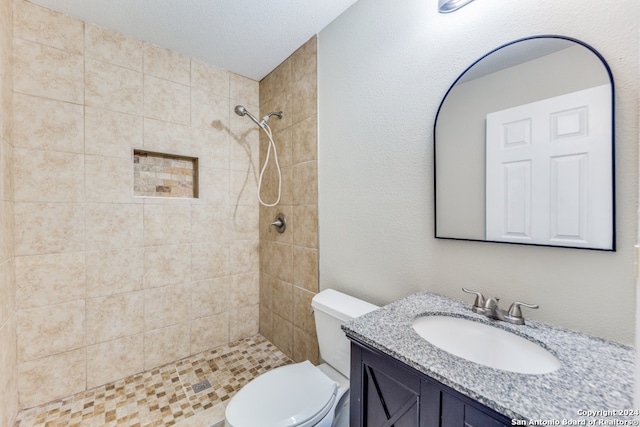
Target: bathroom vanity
391, 393
398, 378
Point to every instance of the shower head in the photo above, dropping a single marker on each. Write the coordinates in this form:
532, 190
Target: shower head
241, 111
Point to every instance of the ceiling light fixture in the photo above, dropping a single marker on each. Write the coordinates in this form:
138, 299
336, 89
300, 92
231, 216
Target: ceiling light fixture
446, 6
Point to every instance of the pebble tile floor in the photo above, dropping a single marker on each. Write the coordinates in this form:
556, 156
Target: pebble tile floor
164, 396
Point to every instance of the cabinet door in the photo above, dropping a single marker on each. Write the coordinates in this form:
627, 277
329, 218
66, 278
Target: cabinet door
457, 412
391, 394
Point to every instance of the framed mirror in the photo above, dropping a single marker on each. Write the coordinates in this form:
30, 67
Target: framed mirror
524, 148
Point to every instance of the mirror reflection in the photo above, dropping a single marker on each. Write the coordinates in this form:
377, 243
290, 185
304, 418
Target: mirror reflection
524, 148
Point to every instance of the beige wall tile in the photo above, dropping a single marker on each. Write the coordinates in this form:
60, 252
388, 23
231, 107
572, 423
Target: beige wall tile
46, 124
266, 323
209, 297
282, 299
244, 221
166, 345
209, 223
305, 183
305, 346
114, 316
166, 137
113, 88
305, 140
305, 268
167, 265
266, 290
306, 231
38, 24
48, 176
244, 290
244, 90
244, 256
209, 332
109, 133
7, 293
243, 187
9, 377
7, 231
209, 260
244, 145
244, 322
115, 48
167, 101
45, 331
113, 226
210, 79
302, 312
167, 224
269, 190
214, 186
109, 180
6, 174
207, 108
276, 83
304, 100
167, 64
52, 377
114, 272
48, 227
281, 269
211, 146
49, 279
304, 62
47, 72
282, 334
284, 142
166, 306
115, 359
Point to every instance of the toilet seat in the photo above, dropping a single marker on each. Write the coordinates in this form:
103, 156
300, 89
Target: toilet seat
297, 395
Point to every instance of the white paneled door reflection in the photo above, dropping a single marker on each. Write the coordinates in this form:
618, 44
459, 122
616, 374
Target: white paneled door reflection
549, 171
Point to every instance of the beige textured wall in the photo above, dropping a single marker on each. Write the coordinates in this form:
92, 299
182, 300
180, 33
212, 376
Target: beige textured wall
109, 284
289, 261
8, 370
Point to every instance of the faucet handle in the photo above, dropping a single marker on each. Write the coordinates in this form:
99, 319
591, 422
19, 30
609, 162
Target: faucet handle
479, 302
515, 314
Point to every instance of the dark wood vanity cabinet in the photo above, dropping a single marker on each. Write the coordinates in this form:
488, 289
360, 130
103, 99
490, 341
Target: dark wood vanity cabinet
387, 393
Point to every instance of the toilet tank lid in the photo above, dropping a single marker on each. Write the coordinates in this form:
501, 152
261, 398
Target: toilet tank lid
341, 306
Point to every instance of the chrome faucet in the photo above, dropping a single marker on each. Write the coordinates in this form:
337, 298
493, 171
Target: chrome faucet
489, 307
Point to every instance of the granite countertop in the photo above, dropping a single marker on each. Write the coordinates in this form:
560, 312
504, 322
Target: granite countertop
595, 374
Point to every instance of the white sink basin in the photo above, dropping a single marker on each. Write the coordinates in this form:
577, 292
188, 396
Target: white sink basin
485, 345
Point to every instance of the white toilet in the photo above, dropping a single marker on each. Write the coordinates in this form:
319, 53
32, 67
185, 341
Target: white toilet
304, 395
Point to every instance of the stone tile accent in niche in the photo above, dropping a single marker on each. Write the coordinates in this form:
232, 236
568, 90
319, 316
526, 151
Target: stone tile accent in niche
164, 175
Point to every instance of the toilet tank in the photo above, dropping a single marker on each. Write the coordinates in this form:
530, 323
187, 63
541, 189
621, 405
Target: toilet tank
331, 309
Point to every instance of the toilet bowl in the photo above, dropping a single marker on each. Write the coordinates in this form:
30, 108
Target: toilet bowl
304, 395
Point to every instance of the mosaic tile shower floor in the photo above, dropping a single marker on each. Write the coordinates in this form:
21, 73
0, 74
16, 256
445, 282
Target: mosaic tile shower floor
164, 396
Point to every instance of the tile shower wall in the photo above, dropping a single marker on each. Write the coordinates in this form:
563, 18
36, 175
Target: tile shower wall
109, 284
8, 351
289, 261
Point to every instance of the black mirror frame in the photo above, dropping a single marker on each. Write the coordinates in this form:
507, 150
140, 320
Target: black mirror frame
613, 152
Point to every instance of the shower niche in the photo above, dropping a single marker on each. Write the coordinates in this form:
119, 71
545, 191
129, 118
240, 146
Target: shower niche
164, 175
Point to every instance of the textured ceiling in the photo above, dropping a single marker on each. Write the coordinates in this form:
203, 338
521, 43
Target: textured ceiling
247, 37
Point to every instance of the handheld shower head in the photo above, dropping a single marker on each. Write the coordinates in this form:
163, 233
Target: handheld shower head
241, 111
